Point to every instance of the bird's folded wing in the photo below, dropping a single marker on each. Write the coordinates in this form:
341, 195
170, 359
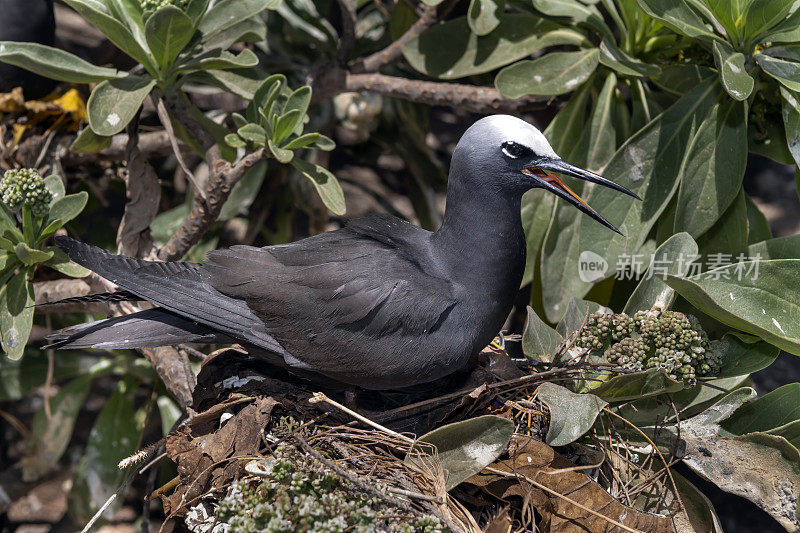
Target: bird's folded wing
178, 287
348, 285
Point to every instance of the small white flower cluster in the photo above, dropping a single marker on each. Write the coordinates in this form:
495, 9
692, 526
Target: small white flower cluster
25, 186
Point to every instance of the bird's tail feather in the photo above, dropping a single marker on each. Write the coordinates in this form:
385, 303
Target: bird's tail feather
145, 329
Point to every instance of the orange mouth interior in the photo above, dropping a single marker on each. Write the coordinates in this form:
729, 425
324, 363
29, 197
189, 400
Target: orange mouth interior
553, 180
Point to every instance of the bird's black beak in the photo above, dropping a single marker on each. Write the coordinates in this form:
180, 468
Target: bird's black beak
541, 169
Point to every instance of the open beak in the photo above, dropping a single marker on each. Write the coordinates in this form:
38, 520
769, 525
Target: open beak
542, 169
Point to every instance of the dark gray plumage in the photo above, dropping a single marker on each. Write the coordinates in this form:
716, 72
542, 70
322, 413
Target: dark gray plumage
378, 304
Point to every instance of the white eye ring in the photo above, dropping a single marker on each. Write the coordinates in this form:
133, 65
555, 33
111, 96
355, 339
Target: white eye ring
514, 150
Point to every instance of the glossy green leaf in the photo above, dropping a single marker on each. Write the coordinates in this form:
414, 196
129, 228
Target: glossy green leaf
450, 50
462, 449
674, 256
552, 74
113, 437
53, 63
729, 234
88, 142
732, 71
220, 60
681, 79
168, 31
677, 16
786, 72
114, 103
571, 414
713, 169
565, 129
97, 14
627, 387
68, 207
763, 15
741, 356
484, 15
49, 438
16, 317
731, 15
614, 58
787, 31
540, 342
62, 263
750, 296
228, 13
326, 184
30, 256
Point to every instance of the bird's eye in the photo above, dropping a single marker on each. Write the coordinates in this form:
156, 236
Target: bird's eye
515, 150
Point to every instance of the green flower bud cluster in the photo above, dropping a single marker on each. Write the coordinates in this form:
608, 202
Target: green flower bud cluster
668, 340
25, 186
300, 494
150, 6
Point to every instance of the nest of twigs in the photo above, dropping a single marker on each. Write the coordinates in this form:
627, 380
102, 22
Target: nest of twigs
254, 424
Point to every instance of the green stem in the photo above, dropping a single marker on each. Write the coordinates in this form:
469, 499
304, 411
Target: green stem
27, 226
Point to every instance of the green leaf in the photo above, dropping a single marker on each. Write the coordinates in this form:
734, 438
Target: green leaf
649, 164
713, 169
741, 357
790, 111
571, 414
732, 71
574, 316
114, 103
244, 192
674, 256
252, 30
112, 438
116, 31
614, 58
324, 143
540, 342
577, 13
66, 208
253, 133
483, 16
763, 15
228, 13
285, 124
627, 387
462, 449
55, 186
787, 31
750, 296
220, 60
677, 16
326, 184
302, 141
241, 82
786, 72
450, 50
16, 314
62, 263
235, 141
282, 155
88, 142
552, 74
565, 129
168, 31
681, 79
49, 438
757, 224
29, 256
537, 208
731, 15
773, 410
298, 100
777, 248
53, 63
699, 513
20, 378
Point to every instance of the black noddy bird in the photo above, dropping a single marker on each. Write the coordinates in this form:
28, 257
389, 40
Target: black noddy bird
378, 304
